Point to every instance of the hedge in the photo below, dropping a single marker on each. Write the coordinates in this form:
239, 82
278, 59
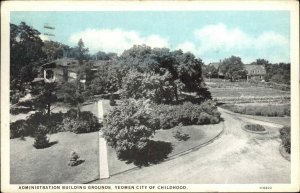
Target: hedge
169, 116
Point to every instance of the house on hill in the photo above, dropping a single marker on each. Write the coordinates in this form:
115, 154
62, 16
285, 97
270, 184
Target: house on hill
66, 70
255, 72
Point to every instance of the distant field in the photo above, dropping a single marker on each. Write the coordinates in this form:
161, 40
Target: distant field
243, 92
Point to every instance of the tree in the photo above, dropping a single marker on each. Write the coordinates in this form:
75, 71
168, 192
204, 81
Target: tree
210, 71
127, 128
73, 95
146, 85
184, 68
25, 54
54, 50
82, 52
108, 79
41, 140
233, 68
45, 95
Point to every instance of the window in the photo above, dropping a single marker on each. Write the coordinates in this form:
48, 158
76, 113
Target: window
49, 74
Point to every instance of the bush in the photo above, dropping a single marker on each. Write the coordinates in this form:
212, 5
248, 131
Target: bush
86, 122
18, 129
40, 139
254, 127
127, 127
169, 116
285, 136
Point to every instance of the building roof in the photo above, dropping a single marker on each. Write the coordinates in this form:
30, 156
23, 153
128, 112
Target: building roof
253, 69
215, 64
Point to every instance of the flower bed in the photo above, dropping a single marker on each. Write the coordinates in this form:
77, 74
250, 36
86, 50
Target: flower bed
255, 128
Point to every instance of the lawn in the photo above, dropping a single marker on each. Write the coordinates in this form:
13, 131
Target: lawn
198, 134
50, 165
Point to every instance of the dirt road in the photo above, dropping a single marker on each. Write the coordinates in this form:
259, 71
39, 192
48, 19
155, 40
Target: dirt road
236, 157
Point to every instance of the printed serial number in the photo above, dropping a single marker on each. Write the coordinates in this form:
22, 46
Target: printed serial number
265, 187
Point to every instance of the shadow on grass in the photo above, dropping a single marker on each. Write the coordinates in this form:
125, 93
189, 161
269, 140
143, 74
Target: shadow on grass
155, 152
78, 162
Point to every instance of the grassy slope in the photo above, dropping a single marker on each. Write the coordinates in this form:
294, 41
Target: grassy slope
49, 165
199, 134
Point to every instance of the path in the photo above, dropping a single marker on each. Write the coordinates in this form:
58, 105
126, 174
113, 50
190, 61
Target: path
237, 157
103, 162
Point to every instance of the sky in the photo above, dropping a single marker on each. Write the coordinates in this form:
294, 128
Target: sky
210, 35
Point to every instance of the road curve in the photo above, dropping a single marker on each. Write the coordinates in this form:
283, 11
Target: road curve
238, 157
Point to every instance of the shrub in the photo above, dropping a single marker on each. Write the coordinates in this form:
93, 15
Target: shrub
18, 129
86, 122
254, 127
179, 135
127, 127
169, 116
40, 139
285, 136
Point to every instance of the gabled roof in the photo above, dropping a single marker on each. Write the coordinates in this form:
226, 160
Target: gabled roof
215, 64
253, 69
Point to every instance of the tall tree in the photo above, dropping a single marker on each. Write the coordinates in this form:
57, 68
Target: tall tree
45, 95
25, 53
81, 51
233, 68
184, 68
73, 95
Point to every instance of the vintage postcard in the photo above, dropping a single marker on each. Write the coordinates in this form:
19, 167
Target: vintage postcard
150, 96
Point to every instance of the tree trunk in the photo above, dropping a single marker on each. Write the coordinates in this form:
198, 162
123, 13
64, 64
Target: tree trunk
78, 111
48, 108
176, 93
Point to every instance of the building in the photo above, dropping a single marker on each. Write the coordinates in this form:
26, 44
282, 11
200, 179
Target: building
66, 70
255, 72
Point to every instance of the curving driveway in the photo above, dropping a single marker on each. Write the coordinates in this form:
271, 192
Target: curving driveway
236, 157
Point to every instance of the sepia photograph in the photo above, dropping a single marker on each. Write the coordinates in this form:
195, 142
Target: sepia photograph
131, 97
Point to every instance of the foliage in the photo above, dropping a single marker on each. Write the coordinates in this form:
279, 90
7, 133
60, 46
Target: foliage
82, 52
233, 68
183, 68
45, 95
54, 50
108, 79
18, 129
73, 94
169, 116
105, 56
25, 54
266, 110
285, 136
86, 122
127, 127
41, 140
254, 127
151, 86
209, 71
179, 135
